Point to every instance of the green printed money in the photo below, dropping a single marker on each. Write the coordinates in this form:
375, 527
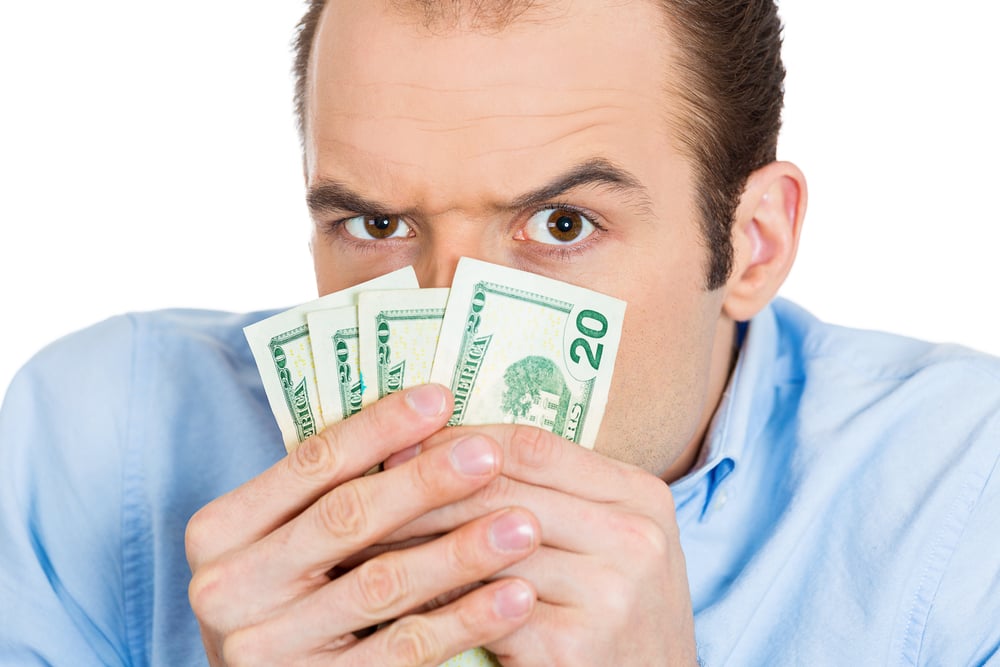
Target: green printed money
399, 333
337, 358
517, 347
282, 348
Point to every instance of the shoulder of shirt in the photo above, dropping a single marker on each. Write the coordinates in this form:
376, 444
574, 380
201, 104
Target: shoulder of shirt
893, 396
912, 428
136, 360
806, 342
106, 342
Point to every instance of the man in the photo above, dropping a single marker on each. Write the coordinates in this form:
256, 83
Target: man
831, 494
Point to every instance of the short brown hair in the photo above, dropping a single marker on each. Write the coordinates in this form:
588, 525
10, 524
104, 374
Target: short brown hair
731, 86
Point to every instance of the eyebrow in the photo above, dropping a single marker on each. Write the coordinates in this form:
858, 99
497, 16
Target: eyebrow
595, 172
329, 195
332, 195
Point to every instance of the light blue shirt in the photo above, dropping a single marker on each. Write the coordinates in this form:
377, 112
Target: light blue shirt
845, 509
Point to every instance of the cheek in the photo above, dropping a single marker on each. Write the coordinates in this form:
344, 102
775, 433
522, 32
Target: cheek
663, 370
332, 273
339, 270
322, 266
660, 346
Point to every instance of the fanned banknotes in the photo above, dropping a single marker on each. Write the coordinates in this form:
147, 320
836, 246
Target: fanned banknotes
514, 347
283, 351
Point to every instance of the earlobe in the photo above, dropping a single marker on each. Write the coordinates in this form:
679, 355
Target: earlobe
765, 237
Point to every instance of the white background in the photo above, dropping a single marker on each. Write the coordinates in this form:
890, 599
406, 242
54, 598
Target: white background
148, 159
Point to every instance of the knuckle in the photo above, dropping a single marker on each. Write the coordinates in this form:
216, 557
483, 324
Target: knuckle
411, 641
495, 494
532, 447
426, 480
315, 458
379, 418
472, 618
613, 596
240, 649
343, 512
463, 556
382, 584
203, 591
645, 537
198, 535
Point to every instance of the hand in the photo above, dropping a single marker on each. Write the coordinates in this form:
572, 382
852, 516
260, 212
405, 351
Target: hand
261, 555
610, 574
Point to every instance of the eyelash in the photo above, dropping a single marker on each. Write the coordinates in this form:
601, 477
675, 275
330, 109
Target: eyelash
561, 252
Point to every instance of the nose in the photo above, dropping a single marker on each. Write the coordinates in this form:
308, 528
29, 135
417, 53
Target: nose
438, 258
436, 267
435, 271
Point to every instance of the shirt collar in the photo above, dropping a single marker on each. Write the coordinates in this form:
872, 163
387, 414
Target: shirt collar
742, 413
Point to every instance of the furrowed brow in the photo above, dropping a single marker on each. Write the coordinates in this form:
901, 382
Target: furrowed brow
329, 196
597, 171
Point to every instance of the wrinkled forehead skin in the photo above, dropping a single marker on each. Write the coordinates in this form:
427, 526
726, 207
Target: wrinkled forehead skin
386, 92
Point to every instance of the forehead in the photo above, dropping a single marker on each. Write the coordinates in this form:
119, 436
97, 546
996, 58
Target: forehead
388, 92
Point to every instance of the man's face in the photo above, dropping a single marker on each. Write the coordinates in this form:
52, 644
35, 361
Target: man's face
468, 143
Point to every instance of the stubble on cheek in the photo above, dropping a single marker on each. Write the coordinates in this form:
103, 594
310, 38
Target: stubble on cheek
660, 402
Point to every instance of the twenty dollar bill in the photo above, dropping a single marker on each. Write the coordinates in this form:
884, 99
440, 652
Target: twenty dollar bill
517, 347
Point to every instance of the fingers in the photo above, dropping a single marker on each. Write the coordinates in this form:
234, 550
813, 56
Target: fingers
341, 452
394, 583
296, 556
568, 522
365, 510
538, 457
479, 618
573, 491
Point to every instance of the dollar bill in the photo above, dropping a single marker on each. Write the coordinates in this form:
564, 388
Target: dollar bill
334, 336
282, 348
476, 657
399, 333
517, 347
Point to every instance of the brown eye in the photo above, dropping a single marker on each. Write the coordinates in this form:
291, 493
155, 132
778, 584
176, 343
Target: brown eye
565, 225
381, 226
558, 226
377, 227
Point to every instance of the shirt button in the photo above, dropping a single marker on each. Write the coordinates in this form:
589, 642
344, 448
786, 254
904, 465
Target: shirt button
720, 499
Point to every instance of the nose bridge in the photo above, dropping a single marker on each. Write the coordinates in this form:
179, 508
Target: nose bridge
437, 262
434, 270
450, 241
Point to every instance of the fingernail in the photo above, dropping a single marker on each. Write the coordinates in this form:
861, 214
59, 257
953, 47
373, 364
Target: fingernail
473, 456
513, 600
427, 400
512, 531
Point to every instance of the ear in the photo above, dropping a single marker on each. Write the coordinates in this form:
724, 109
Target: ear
765, 237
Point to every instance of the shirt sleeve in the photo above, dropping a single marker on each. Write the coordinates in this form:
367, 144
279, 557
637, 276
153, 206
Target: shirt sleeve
62, 427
